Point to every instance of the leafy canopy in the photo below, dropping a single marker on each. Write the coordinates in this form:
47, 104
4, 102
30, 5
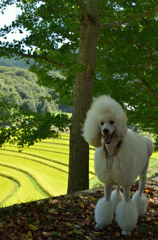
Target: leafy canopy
126, 62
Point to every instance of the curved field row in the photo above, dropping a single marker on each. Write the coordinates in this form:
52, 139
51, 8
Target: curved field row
51, 147
58, 158
48, 162
12, 187
62, 141
38, 172
26, 189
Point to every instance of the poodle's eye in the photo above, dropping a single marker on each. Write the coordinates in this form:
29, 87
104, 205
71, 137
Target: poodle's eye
101, 123
111, 122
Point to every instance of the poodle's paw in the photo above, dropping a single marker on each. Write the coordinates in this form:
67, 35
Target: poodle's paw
126, 232
98, 227
116, 198
141, 202
126, 216
104, 213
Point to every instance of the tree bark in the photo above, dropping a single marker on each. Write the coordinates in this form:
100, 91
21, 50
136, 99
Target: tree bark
79, 149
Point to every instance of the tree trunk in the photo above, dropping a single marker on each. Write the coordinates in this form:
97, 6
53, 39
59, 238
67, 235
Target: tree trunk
79, 149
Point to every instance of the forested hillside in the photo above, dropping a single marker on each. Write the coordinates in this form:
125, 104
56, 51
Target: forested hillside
21, 65
19, 86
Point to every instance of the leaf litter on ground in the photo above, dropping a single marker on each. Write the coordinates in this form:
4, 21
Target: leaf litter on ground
72, 217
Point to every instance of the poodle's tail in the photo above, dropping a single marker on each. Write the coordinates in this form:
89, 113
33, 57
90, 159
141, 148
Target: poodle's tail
149, 146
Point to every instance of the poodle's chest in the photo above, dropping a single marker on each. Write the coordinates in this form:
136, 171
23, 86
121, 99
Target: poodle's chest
108, 170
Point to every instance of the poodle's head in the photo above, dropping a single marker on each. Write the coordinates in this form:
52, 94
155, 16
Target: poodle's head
105, 120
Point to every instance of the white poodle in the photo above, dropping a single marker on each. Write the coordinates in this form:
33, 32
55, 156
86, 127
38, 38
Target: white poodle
120, 157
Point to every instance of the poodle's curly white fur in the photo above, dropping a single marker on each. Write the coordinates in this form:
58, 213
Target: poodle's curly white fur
121, 156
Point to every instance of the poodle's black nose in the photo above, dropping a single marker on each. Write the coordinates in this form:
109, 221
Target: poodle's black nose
105, 130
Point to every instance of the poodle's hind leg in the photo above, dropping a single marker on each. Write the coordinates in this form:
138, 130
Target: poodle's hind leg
139, 197
104, 211
116, 197
126, 213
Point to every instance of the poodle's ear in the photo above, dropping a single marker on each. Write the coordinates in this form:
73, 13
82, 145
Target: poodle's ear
121, 129
91, 130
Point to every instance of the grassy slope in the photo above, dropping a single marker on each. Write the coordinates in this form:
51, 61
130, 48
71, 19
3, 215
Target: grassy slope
43, 166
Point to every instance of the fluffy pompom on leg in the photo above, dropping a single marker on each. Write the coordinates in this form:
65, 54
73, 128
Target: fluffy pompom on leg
116, 198
141, 202
104, 213
126, 216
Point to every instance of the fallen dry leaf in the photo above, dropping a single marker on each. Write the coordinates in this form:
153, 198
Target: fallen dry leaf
117, 234
68, 224
98, 233
148, 219
47, 234
29, 234
32, 227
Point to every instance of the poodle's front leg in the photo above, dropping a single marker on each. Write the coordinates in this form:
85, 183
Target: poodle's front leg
104, 211
126, 212
116, 197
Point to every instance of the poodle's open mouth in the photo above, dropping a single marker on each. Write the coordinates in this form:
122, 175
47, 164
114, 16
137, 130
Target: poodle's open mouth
108, 138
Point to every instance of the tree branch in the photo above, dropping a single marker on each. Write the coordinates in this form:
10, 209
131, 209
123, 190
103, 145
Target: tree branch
150, 118
128, 20
25, 125
55, 64
146, 85
138, 66
17, 130
131, 94
83, 11
146, 22
154, 119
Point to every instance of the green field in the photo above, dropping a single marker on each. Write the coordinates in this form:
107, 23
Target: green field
41, 171
37, 172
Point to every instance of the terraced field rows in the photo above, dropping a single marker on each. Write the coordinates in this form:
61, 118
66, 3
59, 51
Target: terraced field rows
37, 172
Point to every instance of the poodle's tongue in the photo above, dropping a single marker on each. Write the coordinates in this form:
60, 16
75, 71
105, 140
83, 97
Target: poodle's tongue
107, 139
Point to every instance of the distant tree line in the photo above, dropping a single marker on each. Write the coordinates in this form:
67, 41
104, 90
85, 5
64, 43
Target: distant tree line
13, 62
